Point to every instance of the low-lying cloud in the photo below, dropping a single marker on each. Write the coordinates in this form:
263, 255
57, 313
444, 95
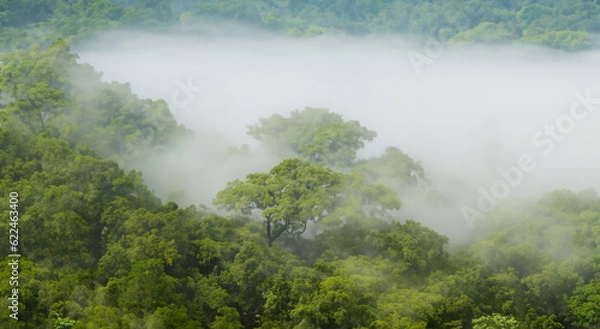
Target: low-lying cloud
475, 109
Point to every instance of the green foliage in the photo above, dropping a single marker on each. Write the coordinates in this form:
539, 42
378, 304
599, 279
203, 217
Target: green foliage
485, 32
126, 260
101, 317
99, 250
418, 248
293, 193
62, 323
316, 134
337, 303
296, 192
474, 21
584, 305
394, 169
559, 24
324, 138
567, 40
495, 321
171, 317
46, 90
228, 318
31, 85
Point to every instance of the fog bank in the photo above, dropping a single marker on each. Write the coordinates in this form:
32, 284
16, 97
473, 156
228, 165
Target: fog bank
473, 109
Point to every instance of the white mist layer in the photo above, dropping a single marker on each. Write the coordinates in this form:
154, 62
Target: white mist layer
472, 110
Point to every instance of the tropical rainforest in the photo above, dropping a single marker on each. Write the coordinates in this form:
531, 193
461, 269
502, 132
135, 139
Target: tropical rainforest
561, 24
314, 242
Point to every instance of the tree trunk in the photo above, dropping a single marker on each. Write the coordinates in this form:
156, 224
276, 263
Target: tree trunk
270, 242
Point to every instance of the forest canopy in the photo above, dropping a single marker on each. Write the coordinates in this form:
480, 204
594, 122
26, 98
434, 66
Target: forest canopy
561, 24
315, 241
125, 259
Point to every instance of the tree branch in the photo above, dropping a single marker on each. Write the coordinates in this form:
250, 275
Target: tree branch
278, 232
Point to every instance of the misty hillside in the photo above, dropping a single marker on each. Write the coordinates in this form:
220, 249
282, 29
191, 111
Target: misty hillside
300, 164
561, 24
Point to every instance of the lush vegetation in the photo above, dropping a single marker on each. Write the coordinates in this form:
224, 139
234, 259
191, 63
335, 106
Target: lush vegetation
101, 251
315, 242
555, 23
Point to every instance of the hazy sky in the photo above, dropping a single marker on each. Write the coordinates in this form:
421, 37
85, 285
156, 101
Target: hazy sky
473, 108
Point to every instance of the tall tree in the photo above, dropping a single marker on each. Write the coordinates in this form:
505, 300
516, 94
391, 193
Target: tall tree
290, 195
316, 134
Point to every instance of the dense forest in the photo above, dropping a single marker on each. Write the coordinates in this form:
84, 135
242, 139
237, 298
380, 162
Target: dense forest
569, 25
315, 242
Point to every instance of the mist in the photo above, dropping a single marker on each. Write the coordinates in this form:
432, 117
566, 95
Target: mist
473, 108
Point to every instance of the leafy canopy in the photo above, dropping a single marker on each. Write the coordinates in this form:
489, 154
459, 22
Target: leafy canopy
290, 195
316, 134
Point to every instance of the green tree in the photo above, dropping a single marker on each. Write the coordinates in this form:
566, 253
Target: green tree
584, 305
337, 303
485, 32
566, 40
418, 248
316, 134
171, 317
394, 169
495, 321
404, 309
101, 317
146, 288
228, 318
291, 194
550, 288
35, 83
